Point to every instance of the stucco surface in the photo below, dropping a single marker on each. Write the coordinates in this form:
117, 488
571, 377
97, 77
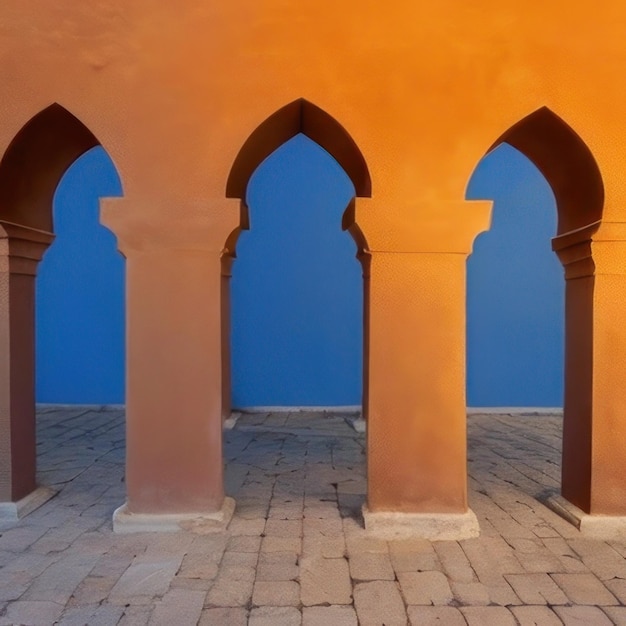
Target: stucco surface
422, 92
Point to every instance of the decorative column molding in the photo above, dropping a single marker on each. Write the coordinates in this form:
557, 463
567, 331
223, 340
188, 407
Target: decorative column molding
594, 451
574, 250
21, 249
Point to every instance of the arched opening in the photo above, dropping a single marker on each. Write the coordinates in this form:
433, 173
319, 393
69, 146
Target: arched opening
573, 175
34, 163
296, 287
288, 140
299, 116
566, 163
515, 295
80, 321
30, 172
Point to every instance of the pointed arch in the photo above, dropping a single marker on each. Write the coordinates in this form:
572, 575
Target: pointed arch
35, 161
299, 116
30, 171
566, 162
572, 172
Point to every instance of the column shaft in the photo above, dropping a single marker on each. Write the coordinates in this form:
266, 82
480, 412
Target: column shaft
416, 437
174, 392
20, 252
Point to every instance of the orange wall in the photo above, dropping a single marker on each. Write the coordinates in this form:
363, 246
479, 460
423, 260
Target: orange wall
172, 92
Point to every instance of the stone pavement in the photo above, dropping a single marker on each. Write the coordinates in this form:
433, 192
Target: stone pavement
295, 551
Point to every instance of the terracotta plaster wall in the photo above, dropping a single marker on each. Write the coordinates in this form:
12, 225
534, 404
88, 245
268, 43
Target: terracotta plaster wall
173, 92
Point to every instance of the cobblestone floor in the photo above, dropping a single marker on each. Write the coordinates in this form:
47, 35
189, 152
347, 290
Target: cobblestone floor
295, 551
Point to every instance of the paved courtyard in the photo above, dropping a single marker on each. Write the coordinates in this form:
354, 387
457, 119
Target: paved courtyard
295, 551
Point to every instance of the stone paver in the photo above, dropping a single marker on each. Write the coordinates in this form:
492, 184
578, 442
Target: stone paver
93, 615
323, 537
582, 616
276, 593
145, 577
275, 616
296, 551
425, 588
371, 566
488, 616
617, 614
454, 562
379, 603
233, 592
535, 616
537, 589
584, 589
474, 593
277, 566
325, 581
32, 612
435, 616
413, 555
182, 607
329, 615
224, 617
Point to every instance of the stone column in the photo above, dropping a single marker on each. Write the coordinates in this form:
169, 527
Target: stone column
21, 250
174, 458
594, 428
416, 430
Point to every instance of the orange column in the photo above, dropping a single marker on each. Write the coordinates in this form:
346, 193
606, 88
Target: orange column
416, 428
594, 429
174, 426
574, 251
21, 250
174, 460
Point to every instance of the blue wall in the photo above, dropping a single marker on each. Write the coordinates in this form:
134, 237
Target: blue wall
515, 289
297, 288
80, 293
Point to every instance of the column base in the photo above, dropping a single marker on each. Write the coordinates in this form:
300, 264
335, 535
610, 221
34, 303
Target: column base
229, 422
358, 423
606, 527
431, 526
124, 521
14, 511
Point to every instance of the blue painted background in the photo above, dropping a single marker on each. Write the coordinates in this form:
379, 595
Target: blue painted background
80, 293
297, 289
515, 289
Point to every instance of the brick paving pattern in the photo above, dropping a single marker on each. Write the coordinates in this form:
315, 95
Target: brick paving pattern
295, 551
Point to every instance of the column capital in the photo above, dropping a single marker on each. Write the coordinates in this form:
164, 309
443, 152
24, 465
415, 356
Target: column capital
575, 252
422, 226
21, 248
202, 226
596, 249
